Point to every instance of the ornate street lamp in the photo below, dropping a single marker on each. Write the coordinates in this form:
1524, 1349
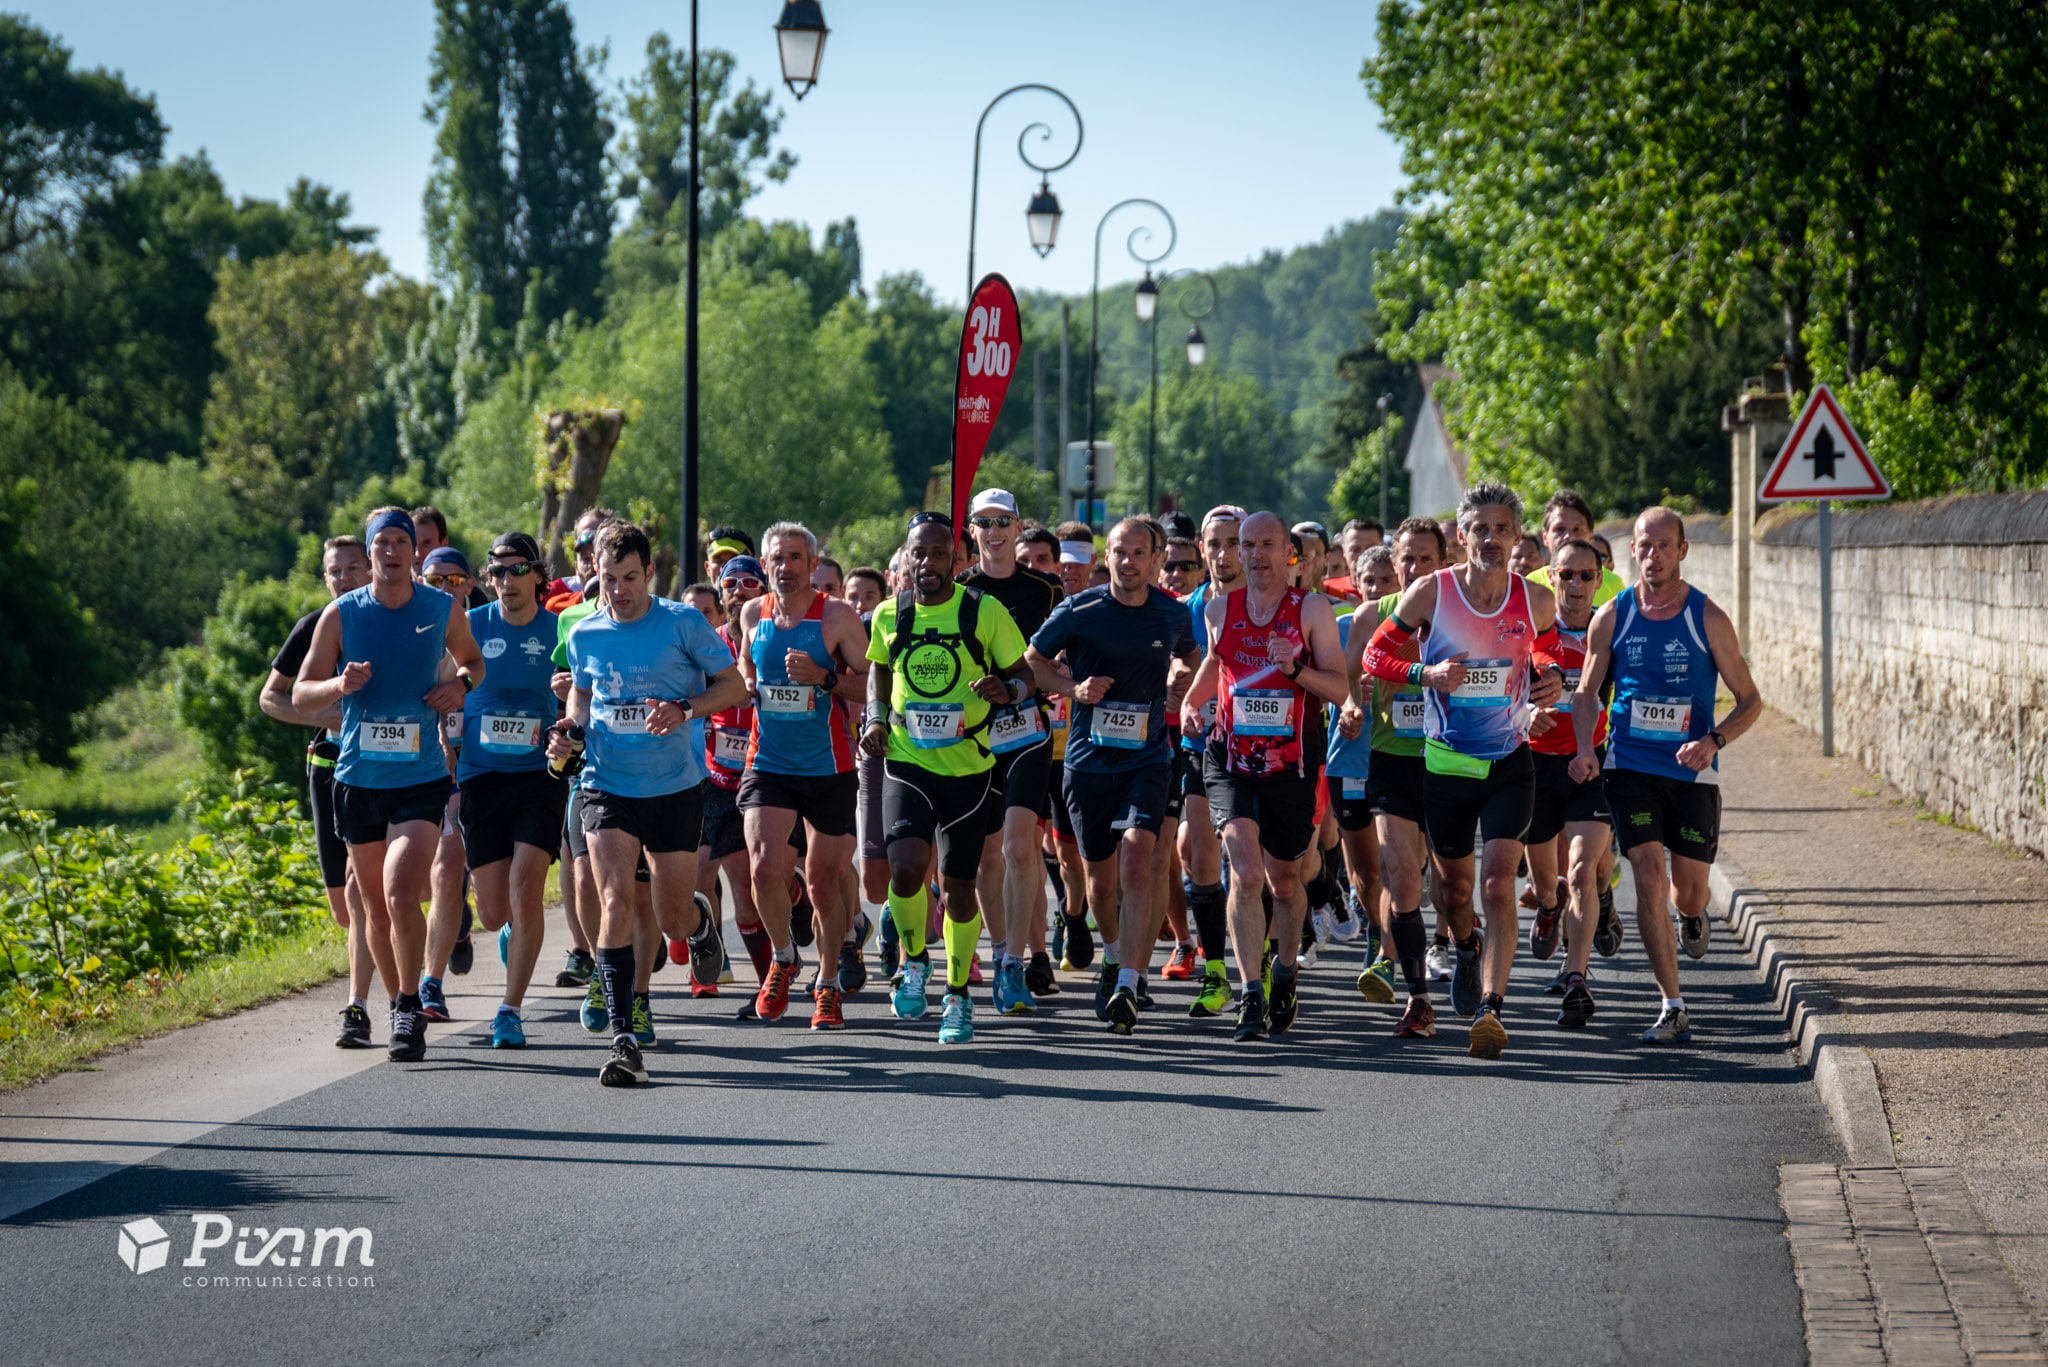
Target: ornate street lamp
800, 33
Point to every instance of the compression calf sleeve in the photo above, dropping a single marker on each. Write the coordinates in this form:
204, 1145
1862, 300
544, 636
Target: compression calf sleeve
961, 938
1410, 949
759, 948
909, 914
615, 973
1206, 910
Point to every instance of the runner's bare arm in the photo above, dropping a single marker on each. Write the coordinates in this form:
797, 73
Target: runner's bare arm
1585, 765
319, 687
874, 731
725, 689
1734, 671
1548, 685
276, 702
1180, 676
468, 661
750, 613
1323, 673
846, 640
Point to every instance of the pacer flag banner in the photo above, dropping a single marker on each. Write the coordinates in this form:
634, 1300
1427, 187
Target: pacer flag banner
988, 357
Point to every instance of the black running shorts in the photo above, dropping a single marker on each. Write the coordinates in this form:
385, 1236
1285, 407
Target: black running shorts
948, 810
667, 824
1560, 801
1282, 805
1498, 805
332, 849
500, 810
828, 803
365, 816
725, 833
1395, 788
1351, 800
1654, 809
1103, 806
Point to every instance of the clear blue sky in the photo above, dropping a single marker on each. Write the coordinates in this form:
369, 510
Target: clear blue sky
1247, 121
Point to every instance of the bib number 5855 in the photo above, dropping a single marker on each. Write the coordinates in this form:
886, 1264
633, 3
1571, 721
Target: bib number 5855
988, 356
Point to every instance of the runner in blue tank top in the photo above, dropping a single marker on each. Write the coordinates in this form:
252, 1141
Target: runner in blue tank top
800, 652
1201, 848
1664, 642
377, 652
511, 806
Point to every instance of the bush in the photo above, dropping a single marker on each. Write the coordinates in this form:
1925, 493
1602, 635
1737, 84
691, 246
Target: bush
84, 911
216, 683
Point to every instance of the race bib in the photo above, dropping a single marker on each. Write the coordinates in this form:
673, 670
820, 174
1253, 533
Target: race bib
1120, 727
628, 721
1571, 684
1486, 684
1661, 719
509, 733
729, 747
785, 702
1262, 712
391, 739
1407, 713
1014, 728
935, 725
451, 727
1351, 789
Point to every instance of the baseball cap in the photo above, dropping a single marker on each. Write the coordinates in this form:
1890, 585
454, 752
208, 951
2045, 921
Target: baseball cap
445, 560
516, 543
998, 499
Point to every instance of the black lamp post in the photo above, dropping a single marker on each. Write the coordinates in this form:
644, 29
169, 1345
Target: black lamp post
1042, 216
1198, 351
1147, 301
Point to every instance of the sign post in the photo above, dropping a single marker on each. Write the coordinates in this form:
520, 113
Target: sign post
989, 345
1824, 460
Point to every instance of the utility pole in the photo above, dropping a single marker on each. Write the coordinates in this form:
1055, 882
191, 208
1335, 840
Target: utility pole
1038, 408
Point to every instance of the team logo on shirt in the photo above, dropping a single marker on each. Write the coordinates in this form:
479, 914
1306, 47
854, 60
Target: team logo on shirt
932, 668
494, 647
1506, 629
1677, 659
534, 649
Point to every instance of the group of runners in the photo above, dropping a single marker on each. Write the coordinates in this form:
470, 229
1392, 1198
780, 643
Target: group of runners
1252, 741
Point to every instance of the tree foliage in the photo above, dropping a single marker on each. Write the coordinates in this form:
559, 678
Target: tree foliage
216, 682
52, 667
736, 155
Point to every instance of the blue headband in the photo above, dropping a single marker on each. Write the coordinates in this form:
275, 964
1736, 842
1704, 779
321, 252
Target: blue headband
393, 518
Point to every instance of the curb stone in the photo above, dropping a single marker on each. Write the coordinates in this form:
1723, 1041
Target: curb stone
1843, 1073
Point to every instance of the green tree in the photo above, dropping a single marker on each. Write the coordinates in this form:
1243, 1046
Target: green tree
736, 155
52, 667
1220, 437
829, 271
914, 349
520, 191
216, 682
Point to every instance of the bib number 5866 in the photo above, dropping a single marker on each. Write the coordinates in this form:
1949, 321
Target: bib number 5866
988, 356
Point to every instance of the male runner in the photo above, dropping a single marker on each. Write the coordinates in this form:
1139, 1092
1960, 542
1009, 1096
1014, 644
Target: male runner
344, 568
1201, 849
1012, 881
799, 652
377, 653
829, 578
1077, 557
448, 916
727, 735
1272, 649
511, 805
865, 589
941, 658
1665, 643
1395, 790
1120, 643
641, 669
1180, 573
1488, 630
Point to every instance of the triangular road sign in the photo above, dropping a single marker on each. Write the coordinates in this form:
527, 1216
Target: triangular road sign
1823, 458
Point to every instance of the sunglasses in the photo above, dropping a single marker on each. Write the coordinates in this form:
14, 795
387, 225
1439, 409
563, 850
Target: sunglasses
1578, 576
448, 581
517, 570
741, 581
585, 540
1182, 566
939, 518
999, 523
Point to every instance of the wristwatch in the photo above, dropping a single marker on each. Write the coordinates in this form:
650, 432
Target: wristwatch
831, 680
1295, 673
1720, 741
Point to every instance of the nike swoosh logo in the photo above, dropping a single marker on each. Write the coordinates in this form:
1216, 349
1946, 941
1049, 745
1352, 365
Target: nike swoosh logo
428, 627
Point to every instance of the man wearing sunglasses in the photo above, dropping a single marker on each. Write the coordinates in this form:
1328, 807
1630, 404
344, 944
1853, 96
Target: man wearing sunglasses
1012, 880
723, 844
511, 807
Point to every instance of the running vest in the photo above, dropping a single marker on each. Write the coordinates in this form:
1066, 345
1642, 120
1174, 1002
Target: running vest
727, 733
388, 734
797, 729
1664, 682
1487, 716
505, 720
1560, 739
1349, 761
1398, 722
1260, 712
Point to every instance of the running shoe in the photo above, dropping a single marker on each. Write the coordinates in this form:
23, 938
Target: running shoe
1440, 960
1562, 982
853, 964
408, 1036
1418, 1021
1214, 998
908, 1002
1181, 965
725, 968
828, 1010
433, 1002
1080, 945
974, 970
1607, 937
1306, 956
707, 947
1543, 932
1251, 1017
1465, 981
1693, 934
1039, 977
1344, 926
1285, 1003
594, 1017
698, 989
462, 958
1527, 901
1323, 922
956, 1019
1673, 1026
1105, 987
1489, 1036
643, 1020
1122, 1012
623, 1068
1266, 969
355, 1029
505, 944
1376, 983
773, 999
1013, 997
1577, 1007
890, 948
576, 969
507, 1030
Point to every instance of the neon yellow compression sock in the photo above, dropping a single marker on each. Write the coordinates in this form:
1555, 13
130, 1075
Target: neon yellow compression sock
909, 914
961, 938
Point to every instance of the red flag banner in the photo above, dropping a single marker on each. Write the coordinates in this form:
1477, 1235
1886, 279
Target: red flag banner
989, 344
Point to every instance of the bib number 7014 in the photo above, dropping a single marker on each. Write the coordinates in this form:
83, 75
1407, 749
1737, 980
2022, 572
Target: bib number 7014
988, 356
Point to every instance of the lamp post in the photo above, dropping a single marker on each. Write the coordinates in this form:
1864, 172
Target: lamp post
1198, 352
1385, 402
800, 35
1147, 302
1042, 216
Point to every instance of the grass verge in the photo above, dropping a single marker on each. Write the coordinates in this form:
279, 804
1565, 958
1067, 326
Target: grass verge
301, 959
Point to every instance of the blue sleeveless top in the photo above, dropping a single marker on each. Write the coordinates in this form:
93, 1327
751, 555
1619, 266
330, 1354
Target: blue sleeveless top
505, 719
1664, 680
798, 728
389, 736
1349, 760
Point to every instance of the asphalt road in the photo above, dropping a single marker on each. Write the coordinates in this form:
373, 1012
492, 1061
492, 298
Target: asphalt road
1047, 1194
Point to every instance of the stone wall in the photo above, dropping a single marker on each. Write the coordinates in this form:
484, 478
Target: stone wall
1941, 644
